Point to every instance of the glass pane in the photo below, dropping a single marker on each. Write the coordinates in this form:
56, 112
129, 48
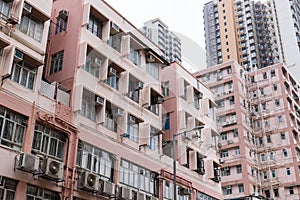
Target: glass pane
10, 195
45, 144
1, 193
52, 150
31, 80
36, 144
24, 77
60, 150
8, 130
20, 130
17, 71
31, 190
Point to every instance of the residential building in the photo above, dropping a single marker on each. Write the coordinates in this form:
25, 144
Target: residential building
168, 41
36, 127
257, 117
255, 34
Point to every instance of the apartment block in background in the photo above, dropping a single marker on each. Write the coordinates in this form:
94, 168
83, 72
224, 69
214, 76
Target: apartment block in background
113, 73
36, 131
170, 44
258, 119
252, 33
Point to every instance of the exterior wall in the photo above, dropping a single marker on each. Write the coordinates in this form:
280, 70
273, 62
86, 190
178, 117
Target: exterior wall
266, 136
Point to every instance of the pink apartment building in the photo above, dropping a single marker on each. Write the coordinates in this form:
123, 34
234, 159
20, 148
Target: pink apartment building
258, 119
97, 121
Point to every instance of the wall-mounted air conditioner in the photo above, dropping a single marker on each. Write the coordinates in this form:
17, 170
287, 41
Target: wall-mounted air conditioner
107, 188
53, 169
28, 163
89, 181
125, 193
99, 101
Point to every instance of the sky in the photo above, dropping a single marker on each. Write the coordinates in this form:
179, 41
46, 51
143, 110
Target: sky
184, 18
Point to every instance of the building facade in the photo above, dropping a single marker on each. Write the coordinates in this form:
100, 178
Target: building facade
83, 114
257, 117
256, 34
168, 42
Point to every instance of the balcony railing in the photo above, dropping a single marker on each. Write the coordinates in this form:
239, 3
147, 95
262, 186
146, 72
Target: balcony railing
53, 91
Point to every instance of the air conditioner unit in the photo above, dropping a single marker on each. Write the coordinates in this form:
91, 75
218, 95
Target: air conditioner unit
219, 77
158, 100
141, 196
119, 112
114, 28
112, 72
200, 170
63, 14
150, 58
226, 168
131, 119
151, 198
228, 187
200, 95
217, 178
89, 181
125, 193
18, 56
13, 20
96, 62
229, 142
221, 161
28, 163
27, 8
140, 85
53, 169
99, 101
107, 188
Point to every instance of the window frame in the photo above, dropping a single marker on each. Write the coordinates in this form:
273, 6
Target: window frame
22, 69
56, 63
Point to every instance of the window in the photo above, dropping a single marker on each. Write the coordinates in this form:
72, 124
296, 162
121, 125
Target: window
285, 153
166, 121
265, 75
279, 119
113, 78
263, 157
61, 25
291, 189
154, 140
282, 135
227, 190
237, 151
56, 62
137, 177
277, 102
269, 139
241, 188
12, 128
224, 154
229, 70
260, 140
275, 87
4, 9
24, 74
271, 156
288, 171
48, 142
96, 160
235, 133
32, 27
95, 26
165, 87
135, 57
223, 136
153, 70
7, 188
35, 193
273, 73
273, 173
133, 128
92, 65
88, 107
265, 175
110, 119
225, 171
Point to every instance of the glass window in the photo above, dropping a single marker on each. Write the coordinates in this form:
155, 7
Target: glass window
61, 25
285, 153
110, 120
12, 128
4, 9
282, 135
241, 188
154, 140
153, 70
7, 188
133, 128
95, 26
113, 78
165, 88
37, 193
88, 106
135, 57
24, 74
96, 160
56, 62
31, 27
239, 169
288, 171
48, 142
166, 121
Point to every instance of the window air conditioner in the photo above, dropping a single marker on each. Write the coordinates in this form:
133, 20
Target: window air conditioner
18, 56
125, 193
229, 142
114, 28
141, 196
96, 62
63, 14
140, 85
112, 72
119, 112
27, 8
99, 101
53, 169
107, 188
200, 95
131, 119
89, 181
150, 58
28, 163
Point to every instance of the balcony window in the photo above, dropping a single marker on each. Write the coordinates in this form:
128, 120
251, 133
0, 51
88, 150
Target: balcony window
224, 154
31, 27
227, 190
110, 119
154, 140
56, 62
88, 107
96, 160
134, 89
4, 9
133, 128
92, 65
113, 78
49, 142
34, 192
12, 128
24, 74
137, 177
166, 121
135, 56
165, 87
7, 188
153, 70
115, 42
95, 26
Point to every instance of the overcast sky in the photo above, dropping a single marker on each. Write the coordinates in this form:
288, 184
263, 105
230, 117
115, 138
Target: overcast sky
183, 17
